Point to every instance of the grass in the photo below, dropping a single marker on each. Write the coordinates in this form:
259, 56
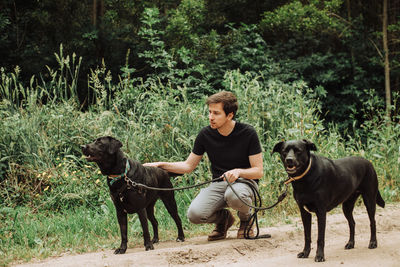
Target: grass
47, 234
26, 235
53, 201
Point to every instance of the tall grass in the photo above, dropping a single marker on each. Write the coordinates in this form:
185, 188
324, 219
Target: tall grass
59, 85
49, 191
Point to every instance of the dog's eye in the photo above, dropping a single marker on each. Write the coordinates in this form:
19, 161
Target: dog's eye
297, 150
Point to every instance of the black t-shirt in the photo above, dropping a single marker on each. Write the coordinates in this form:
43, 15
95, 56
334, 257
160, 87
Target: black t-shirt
227, 152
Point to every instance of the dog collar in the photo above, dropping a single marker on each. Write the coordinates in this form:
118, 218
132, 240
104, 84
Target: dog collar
113, 178
291, 179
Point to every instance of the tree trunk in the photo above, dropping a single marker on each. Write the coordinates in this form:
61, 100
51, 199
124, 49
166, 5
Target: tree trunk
94, 13
352, 48
386, 52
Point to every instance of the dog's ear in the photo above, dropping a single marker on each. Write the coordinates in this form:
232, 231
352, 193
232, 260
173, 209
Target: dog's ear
310, 145
114, 145
277, 147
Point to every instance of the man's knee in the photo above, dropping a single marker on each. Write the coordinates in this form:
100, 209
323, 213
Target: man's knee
195, 216
238, 203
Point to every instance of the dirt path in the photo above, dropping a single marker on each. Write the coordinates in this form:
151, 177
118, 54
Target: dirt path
280, 250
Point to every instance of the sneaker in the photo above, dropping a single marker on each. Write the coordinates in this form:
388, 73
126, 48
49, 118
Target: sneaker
221, 228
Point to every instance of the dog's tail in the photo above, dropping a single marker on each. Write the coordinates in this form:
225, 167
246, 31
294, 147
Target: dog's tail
379, 200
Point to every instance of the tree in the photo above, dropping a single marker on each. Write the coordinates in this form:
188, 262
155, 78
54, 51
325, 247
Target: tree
386, 53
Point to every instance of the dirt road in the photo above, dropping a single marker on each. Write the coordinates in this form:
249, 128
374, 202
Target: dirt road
280, 250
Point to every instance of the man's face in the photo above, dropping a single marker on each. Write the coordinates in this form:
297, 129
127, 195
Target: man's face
217, 116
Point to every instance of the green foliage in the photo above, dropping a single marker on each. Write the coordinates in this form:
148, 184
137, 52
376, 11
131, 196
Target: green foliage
55, 86
317, 45
378, 141
165, 68
334, 46
243, 48
294, 73
304, 20
185, 23
157, 57
43, 170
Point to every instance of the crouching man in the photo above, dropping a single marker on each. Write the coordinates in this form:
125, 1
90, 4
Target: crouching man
234, 151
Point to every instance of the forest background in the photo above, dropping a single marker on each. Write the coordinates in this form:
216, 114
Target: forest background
71, 71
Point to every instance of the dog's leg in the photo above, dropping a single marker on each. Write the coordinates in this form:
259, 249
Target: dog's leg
168, 199
321, 217
123, 227
153, 220
145, 228
370, 204
306, 219
348, 207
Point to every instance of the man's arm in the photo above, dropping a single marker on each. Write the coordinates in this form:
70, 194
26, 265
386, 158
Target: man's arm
256, 170
179, 167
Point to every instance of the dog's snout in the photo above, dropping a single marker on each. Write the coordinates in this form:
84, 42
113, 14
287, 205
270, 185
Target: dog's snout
290, 158
289, 161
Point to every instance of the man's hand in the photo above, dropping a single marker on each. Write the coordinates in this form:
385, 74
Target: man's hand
232, 175
152, 164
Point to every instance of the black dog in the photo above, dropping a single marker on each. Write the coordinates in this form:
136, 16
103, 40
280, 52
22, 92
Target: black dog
106, 152
320, 184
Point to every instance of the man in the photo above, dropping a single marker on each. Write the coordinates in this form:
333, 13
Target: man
234, 151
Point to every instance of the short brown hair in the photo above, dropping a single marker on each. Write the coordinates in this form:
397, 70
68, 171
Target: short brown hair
228, 100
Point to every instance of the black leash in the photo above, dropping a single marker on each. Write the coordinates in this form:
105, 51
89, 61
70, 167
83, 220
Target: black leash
257, 207
257, 200
134, 184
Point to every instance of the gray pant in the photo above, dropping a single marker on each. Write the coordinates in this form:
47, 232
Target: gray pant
211, 200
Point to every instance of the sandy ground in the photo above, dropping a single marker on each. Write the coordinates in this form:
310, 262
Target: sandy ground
280, 250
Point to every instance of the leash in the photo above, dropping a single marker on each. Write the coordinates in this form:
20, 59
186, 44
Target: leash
258, 208
257, 200
113, 178
134, 184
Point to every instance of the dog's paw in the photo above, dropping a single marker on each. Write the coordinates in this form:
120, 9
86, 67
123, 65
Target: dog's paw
120, 251
180, 239
303, 254
373, 244
319, 258
149, 246
349, 245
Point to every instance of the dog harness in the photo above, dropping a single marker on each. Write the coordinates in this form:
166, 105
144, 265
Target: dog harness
291, 179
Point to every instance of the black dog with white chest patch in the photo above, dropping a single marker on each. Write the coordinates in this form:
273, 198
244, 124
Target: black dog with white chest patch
106, 152
320, 184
